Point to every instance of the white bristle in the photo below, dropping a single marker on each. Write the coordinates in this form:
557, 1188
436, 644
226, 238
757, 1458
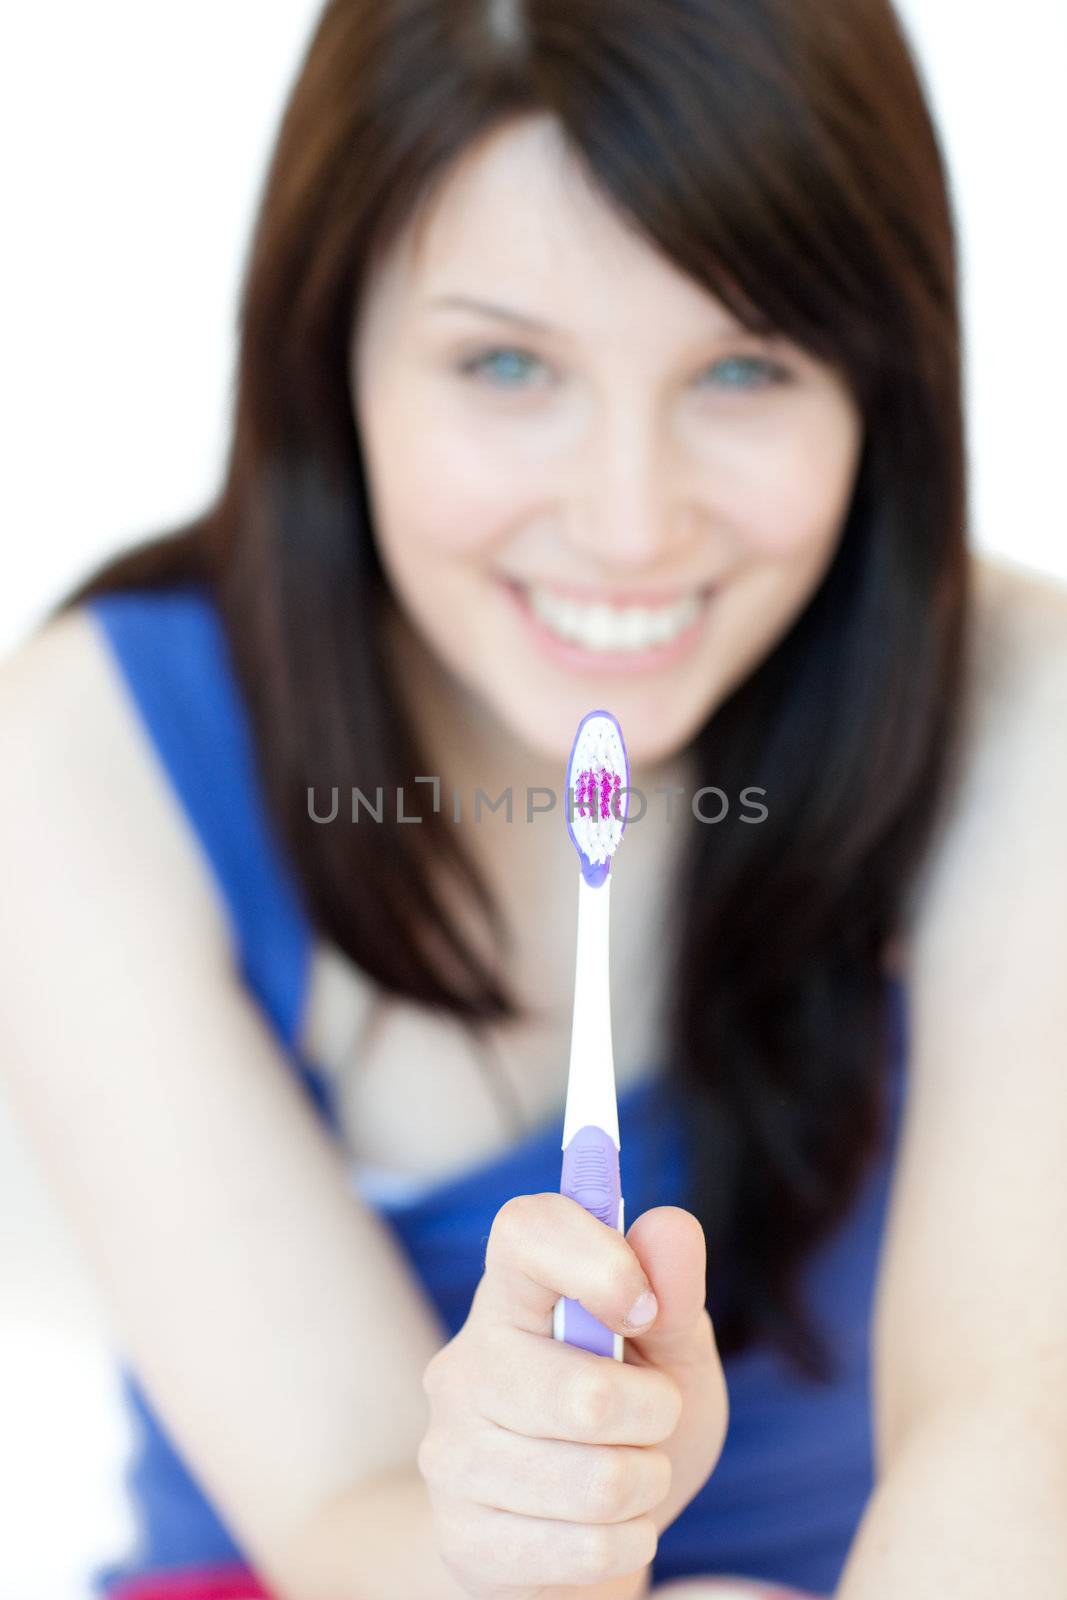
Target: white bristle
599, 752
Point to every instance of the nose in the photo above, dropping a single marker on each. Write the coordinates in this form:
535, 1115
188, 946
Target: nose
623, 516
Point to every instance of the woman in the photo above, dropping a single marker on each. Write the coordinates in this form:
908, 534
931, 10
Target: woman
591, 355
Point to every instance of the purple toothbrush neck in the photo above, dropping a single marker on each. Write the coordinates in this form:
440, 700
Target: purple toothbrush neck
594, 876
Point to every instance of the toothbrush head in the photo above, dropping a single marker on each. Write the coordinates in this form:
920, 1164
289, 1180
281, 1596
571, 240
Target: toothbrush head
598, 793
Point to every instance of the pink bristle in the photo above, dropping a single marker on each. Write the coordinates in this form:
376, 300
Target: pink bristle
595, 791
584, 795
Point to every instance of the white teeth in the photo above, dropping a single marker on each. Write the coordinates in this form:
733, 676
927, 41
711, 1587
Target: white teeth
606, 628
633, 627
599, 627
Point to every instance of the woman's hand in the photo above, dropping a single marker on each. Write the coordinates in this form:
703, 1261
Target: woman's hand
548, 1466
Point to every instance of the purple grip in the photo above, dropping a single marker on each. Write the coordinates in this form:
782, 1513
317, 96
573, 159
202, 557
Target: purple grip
591, 1176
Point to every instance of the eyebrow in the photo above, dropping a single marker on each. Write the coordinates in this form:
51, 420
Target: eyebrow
464, 302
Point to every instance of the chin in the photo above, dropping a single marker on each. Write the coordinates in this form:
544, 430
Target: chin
650, 739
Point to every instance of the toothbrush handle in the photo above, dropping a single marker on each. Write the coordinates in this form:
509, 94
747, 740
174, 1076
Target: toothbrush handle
590, 1176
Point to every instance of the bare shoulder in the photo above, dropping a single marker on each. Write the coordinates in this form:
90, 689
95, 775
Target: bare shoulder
1012, 777
60, 693
56, 680
82, 785
1019, 654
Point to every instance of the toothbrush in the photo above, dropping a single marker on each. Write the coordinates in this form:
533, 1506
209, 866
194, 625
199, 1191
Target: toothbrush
597, 798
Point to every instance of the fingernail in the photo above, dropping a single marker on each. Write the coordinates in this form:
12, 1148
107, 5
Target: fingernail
643, 1310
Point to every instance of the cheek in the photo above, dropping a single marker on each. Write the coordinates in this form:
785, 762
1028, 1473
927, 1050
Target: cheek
789, 491
436, 477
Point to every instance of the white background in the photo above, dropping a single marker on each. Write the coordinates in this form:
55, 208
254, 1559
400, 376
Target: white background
133, 142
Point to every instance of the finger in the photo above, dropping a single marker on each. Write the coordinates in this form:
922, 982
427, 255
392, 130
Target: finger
545, 1477
669, 1243
545, 1389
540, 1550
545, 1245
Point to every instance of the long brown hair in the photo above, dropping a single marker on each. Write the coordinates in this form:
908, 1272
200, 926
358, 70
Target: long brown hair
780, 153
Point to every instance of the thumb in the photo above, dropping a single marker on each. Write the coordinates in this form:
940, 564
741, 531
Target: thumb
669, 1243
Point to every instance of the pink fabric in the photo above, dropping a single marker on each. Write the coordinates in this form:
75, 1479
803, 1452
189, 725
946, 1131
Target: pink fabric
231, 1582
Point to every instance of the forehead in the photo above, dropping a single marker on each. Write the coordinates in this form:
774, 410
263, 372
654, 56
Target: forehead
518, 220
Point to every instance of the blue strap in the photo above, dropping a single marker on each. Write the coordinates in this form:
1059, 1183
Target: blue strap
174, 656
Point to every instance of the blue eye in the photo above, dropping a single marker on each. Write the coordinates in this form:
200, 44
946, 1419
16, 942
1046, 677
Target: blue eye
746, 372
505, 368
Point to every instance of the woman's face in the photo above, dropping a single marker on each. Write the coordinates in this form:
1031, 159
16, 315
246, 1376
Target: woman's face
590, 486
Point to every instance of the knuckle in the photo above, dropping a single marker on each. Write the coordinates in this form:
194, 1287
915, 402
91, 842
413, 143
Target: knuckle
458, 1461
592, 1400
611, 1486
623, 1281
514, 1219
427, 1455
665, 1409
595, 1553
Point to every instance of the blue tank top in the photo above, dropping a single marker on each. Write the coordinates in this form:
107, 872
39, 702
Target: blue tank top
796, 1470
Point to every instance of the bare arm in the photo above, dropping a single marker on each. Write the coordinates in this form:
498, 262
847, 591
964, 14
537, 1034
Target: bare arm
275, 1325
971, 1358
389, 1522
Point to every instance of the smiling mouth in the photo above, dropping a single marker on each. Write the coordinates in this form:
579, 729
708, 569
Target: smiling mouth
616, 628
